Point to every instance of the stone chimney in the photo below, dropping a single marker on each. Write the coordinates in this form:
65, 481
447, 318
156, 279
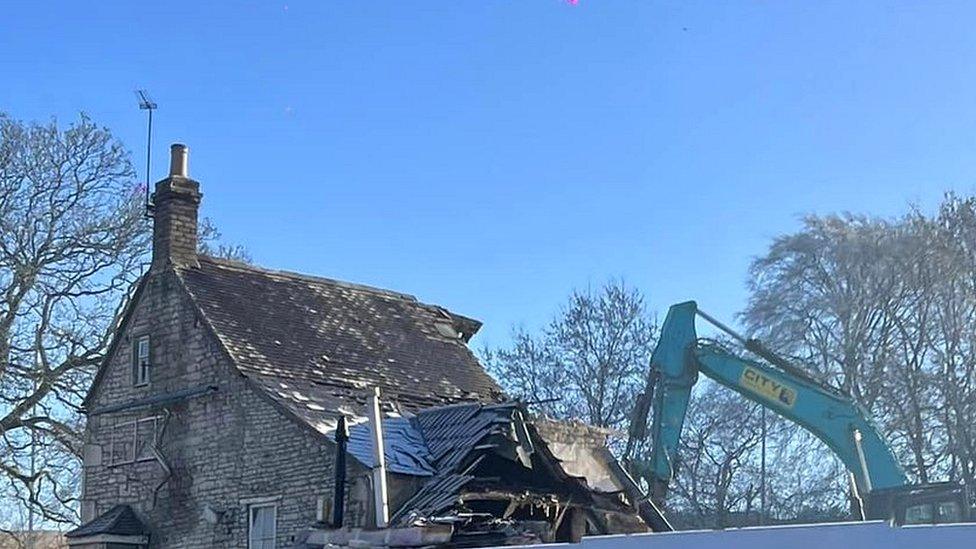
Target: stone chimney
175, 206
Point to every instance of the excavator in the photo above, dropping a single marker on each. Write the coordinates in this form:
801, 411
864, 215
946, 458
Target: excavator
880, 489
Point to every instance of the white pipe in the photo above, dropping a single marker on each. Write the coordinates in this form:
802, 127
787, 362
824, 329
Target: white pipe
380, 500
864, 462
856, 495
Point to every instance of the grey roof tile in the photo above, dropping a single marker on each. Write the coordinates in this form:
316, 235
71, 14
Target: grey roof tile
317, 345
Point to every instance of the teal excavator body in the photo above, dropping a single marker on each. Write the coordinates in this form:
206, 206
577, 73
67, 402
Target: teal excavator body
880, 485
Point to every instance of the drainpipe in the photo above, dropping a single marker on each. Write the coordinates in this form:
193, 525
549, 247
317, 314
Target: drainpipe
379, 473
155, 448
339, 490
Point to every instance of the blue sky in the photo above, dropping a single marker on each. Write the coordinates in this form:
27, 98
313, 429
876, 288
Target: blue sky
491, 155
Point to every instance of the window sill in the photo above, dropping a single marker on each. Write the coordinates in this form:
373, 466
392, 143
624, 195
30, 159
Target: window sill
140, 460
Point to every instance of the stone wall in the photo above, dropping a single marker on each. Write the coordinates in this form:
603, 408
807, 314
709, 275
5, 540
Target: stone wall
226, 449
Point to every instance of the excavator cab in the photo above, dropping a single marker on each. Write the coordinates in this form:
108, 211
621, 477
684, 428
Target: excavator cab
936, 503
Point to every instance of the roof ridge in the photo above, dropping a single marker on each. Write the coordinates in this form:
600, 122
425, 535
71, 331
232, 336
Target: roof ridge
241, 266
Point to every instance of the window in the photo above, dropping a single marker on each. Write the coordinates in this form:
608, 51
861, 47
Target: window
919, 514
140, 361
262, 527
948, 512
132, 441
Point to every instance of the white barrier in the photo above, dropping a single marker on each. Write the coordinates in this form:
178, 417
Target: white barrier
847, 535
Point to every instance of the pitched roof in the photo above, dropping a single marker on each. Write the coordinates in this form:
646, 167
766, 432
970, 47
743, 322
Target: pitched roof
315, 344
120, 520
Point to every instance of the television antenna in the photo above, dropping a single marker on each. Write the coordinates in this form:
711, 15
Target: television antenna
146, 103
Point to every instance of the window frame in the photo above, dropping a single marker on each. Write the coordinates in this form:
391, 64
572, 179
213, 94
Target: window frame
133, 456
251, 508
154, 432
141, 377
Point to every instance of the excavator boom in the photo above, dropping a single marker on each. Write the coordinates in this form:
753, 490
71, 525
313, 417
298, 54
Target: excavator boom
826, 412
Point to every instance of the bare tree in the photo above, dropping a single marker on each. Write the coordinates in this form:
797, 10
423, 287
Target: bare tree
951, 237
909, 408
589, 363
713, 479
529, 371
822, 293
210, 243
884, 309
72, 241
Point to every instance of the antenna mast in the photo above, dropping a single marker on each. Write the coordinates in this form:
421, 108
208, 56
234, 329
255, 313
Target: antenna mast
147, 104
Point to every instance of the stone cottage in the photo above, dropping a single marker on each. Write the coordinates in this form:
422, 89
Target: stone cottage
214, 419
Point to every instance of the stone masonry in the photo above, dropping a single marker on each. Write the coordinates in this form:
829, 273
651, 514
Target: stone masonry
225, 450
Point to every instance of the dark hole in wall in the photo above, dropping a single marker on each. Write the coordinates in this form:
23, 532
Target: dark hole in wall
496, 472
494, 507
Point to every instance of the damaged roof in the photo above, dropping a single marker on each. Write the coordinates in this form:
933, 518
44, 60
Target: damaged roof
448, 443
469, 452
434, 440
315, 344
451, 434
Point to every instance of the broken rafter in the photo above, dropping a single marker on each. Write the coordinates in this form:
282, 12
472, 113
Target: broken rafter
559, 518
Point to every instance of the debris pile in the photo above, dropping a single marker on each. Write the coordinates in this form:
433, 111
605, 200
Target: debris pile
482, 475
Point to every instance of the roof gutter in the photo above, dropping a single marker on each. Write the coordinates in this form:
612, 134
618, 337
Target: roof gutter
155, 400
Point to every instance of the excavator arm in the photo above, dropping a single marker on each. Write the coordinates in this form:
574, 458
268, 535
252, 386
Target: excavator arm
830, 415
881, 486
